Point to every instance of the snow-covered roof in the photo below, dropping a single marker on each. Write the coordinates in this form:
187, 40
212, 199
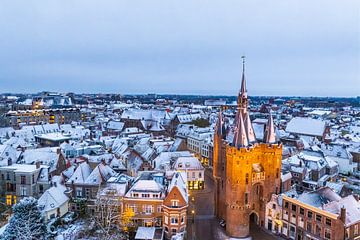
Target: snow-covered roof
186, 118
81, 173
47, 156
140, 114
53, 198
115, 125
352, 209
285, 177
100, 174
306, 126
55, 136
145, 186
319, 197
183, 163
23, 168
180, 183
145, 233
163, 160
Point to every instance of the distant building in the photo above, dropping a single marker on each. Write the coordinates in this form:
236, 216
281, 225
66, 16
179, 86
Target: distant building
33, 117
308, 127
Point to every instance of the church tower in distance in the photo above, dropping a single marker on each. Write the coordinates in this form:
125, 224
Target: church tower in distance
246, 171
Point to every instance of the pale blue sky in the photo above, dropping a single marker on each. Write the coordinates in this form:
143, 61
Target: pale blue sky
302, 47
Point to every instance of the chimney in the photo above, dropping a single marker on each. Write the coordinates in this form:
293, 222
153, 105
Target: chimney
37, 164
343, 214
103, 162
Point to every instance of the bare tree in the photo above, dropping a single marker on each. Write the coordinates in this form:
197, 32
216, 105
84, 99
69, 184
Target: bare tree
108, 214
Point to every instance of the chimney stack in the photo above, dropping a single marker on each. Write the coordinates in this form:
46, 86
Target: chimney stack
343, 214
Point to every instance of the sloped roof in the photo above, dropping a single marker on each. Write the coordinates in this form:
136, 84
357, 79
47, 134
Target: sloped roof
352, 209
81, 173
188, 163
306, 126
53, 198
100, 174
178, 182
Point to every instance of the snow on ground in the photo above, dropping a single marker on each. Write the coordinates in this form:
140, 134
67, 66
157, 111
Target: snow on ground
72, 232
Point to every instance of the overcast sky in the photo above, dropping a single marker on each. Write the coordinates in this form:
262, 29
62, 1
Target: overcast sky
304, 47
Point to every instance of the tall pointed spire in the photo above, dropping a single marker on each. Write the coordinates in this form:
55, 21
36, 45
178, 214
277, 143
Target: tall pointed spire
270, 135
249, 128
242, 97
219, 124
243, 90
240, 136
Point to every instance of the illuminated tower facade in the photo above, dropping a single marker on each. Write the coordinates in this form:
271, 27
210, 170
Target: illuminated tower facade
246, 171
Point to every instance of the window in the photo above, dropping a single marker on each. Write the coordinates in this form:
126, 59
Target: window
145, 195
301, 211
327, 233
7, 176
33, 179
182, 219
174, 220
247, 178
8, 200
200, 175
78, 192
148, 209
246, 198
274, 206
328, 222
317, 230
286, 204
166, 219
174, 203
318, 218
193, 174
159, 208
132, 207
23, 191
309, 214
293, 207
135, 195
356, 229
308, 227
23, 179
173, 230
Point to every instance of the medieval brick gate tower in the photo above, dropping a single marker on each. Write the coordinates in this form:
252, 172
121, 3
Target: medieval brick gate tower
246, 171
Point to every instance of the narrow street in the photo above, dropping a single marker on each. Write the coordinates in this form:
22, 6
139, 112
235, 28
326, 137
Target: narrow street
202, 224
